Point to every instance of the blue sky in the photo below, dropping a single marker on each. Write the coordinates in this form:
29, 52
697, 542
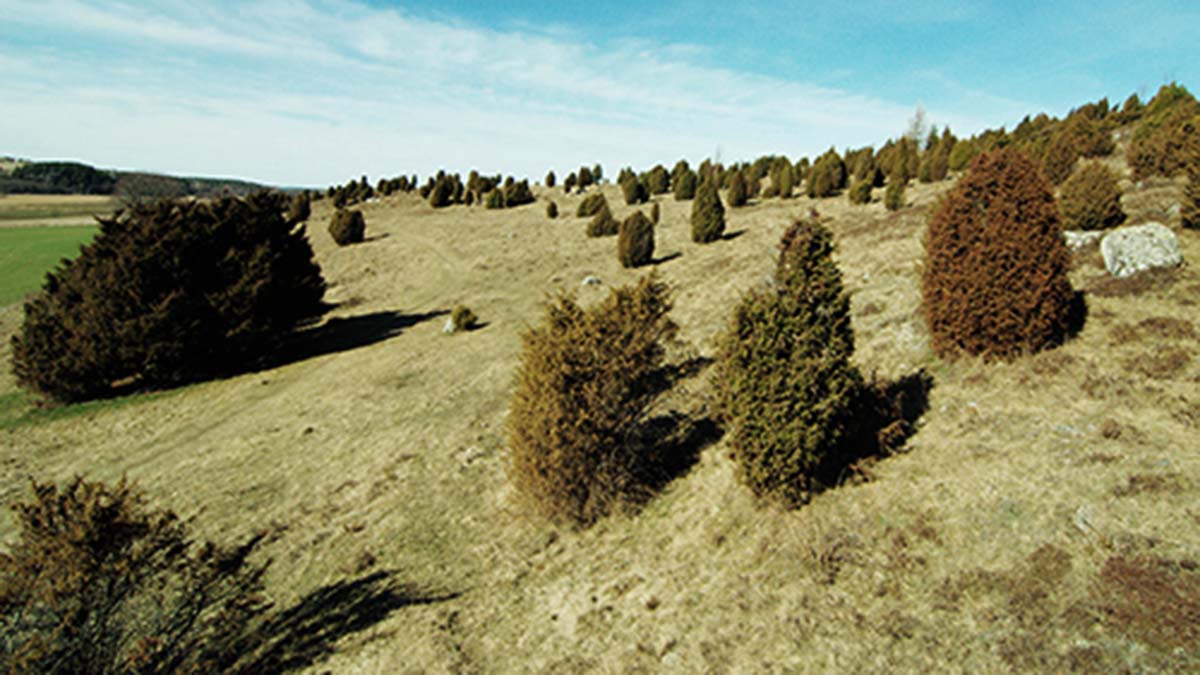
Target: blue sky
311, 92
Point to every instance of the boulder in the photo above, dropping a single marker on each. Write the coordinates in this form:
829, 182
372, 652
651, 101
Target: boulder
1137, 248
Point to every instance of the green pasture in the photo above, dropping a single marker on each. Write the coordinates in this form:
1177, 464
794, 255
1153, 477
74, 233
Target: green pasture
27, 253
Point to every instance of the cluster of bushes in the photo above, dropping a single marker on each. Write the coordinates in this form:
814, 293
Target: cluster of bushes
353, 192
827, 176
1166, 141
205, 288
583, 179
795, 408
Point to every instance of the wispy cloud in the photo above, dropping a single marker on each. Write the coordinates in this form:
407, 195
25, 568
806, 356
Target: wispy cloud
310, 93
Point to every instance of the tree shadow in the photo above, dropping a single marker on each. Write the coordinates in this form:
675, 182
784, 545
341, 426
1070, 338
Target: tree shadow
670, 444
666, 258
343, 334
883, 418
376, 237
730, 236
1077, 315
308, 631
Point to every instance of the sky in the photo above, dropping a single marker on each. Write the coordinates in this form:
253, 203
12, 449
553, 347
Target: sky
314, 92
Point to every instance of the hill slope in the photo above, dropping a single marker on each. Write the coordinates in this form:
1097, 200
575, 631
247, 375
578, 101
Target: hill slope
1036, 520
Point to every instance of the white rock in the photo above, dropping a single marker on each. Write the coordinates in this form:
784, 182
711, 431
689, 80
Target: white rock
591, 281
1078, 240
1137, 248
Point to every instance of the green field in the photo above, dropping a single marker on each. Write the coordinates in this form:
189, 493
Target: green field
27, 253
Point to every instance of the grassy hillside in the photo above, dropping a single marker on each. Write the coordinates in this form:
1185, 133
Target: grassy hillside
1043, 517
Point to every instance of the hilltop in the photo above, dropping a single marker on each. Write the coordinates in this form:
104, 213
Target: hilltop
1042, 517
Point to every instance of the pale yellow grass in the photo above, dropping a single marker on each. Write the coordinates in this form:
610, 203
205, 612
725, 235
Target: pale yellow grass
22, 210
390, 456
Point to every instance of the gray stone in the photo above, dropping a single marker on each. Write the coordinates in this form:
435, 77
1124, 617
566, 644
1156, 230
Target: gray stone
1078, 240
1137, 248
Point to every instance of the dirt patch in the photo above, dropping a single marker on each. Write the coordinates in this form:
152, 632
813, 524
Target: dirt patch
1148, 483
1153, 600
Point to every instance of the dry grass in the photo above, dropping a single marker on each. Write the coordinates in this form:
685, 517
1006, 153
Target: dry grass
42, 210
987, 546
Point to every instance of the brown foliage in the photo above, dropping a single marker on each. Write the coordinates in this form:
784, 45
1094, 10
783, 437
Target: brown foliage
585, 382
99, 582
995, 280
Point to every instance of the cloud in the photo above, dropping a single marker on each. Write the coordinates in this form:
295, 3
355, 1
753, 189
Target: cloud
312, 93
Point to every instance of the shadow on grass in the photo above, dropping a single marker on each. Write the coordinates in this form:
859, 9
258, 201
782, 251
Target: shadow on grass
730, 236
335, 335
666, 258
885, 416
671, 443
344, 334
308, 631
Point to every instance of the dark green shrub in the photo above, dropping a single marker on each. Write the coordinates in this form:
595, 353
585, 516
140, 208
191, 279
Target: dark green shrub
633, 190
1091, 199
708, 215
1060, 159
442, 194
550, 179
785, 383
681, 167
602, 224
300, 209
551, 210
586, 379
893, 197
586, 179
1169, 149
925, 169
347, 227
827, 176
494, 199
169, 293
685, 186
591, 205
97, 581
569, 183
860, 192
654, 213
962, 154
635, 241
737, 191
518, 194
995, 280
784, 181
658, 181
